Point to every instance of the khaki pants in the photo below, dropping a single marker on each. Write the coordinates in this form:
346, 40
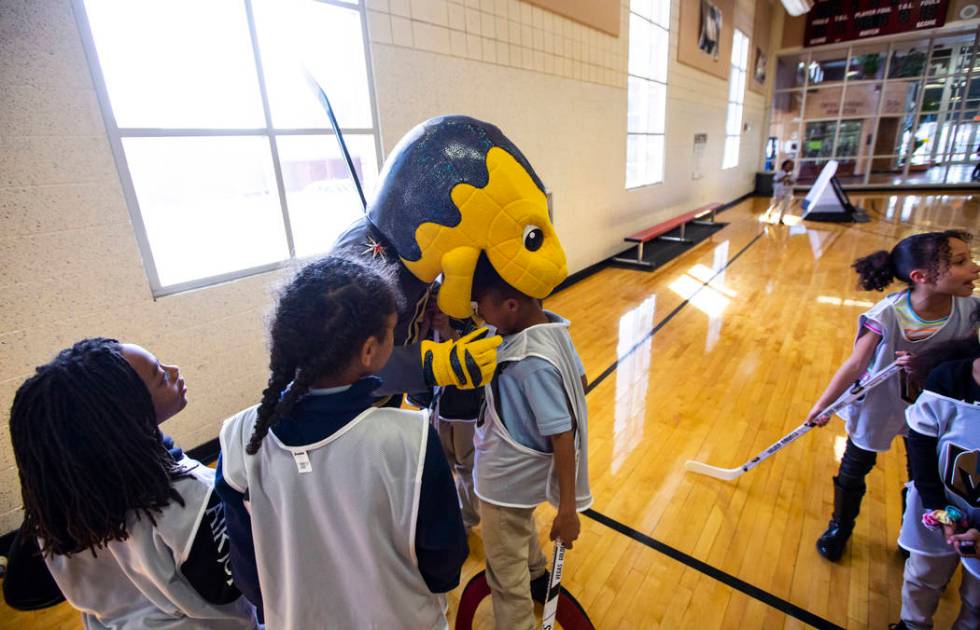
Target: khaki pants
514, 558
926, 578
457, 444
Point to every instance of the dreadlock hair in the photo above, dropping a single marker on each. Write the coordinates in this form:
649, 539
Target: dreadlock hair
922, 362
88, 449
929, 251
322, 319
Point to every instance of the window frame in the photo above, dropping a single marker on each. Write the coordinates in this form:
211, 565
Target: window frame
663, 134
116, 135
739, 74
892, 52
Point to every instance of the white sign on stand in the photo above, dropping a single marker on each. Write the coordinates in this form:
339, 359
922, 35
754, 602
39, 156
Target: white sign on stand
827, 201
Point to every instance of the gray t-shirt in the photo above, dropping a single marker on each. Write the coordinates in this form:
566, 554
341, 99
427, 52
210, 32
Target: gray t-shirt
533, 402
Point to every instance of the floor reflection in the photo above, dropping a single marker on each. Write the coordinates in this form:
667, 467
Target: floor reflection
632, 377
829, 299
705, 289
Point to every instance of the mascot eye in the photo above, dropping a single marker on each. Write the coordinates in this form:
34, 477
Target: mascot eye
533, 238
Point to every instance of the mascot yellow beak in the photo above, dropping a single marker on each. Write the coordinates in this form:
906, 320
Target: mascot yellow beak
508, 219
455, 187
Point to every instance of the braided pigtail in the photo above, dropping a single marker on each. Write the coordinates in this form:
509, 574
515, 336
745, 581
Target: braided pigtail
322, 319
278, 381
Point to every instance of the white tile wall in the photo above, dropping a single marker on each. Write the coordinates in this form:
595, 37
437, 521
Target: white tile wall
69, 266
543, 40
557, 88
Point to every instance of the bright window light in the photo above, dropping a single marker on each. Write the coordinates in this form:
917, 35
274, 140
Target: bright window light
228, 161
209, 205
736, 99
705, 298
180, 64
332, 49
647, 91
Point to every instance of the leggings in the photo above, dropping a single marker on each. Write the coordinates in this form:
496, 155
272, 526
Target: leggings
857, 463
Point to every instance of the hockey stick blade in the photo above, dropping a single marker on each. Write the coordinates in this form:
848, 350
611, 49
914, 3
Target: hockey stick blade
725, 474
856, 392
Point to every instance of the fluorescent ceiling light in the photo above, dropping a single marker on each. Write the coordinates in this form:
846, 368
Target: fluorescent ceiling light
797, 7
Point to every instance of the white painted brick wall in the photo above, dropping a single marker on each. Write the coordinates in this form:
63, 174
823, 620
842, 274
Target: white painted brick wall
560, 94
69, 265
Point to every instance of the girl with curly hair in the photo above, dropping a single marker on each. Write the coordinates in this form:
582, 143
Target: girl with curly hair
936, 306
342, 514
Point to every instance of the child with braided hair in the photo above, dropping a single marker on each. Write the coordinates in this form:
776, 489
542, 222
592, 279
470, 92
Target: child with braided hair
130, 528
341, 514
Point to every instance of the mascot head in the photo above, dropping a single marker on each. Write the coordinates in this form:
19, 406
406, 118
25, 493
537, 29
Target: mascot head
455, 187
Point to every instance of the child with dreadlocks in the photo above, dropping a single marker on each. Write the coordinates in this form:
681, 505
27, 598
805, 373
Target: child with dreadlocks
341, 514
130, 528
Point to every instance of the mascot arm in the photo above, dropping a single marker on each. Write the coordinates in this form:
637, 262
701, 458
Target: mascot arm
403, 372
466, 363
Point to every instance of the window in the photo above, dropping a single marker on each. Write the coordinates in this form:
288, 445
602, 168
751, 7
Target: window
647, 91
226, 157
904, 112
736, 98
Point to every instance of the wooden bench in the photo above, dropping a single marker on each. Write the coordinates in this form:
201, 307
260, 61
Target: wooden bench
658, 231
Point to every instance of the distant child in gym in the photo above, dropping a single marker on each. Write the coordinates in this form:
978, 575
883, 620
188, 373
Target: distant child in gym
130, 527
341, 514
936, 306
782, 190
531, 443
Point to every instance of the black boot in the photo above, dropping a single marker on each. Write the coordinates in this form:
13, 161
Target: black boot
847, 504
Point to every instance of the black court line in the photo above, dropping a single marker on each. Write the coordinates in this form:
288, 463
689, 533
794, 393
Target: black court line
728, 579
663, 322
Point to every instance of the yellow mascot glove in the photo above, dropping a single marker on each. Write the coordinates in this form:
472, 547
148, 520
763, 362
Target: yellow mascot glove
467, 362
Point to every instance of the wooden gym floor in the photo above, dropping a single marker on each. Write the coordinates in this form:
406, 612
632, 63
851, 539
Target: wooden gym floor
713, 357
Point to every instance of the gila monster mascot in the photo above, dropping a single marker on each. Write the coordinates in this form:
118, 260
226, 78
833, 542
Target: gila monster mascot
453, 189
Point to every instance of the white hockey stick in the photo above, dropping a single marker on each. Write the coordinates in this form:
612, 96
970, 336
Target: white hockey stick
855, 392
554, 588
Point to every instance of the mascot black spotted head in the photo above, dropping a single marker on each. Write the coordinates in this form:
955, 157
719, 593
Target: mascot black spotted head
455, 187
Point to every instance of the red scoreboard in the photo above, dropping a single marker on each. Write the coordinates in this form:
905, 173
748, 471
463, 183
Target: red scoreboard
831, 21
